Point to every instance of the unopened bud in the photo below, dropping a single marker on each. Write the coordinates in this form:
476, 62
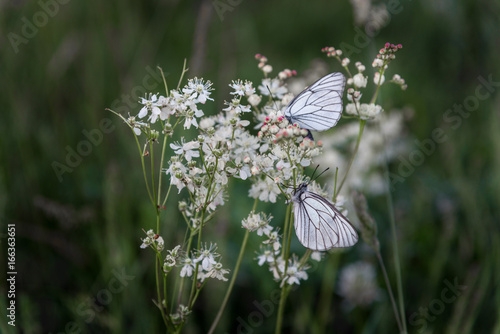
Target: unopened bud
368, 226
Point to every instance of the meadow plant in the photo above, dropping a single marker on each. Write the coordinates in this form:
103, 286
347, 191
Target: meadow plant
271, 157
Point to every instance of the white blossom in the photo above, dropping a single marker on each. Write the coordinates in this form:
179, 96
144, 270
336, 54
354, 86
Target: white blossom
360, 80
357, 284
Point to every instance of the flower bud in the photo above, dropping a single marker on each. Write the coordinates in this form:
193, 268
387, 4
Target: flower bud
368, 226
168, 128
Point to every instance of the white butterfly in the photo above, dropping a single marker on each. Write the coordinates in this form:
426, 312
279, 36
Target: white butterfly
318, 224
319, 106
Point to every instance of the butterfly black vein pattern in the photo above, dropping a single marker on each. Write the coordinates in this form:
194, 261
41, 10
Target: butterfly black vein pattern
318, 224
319, 106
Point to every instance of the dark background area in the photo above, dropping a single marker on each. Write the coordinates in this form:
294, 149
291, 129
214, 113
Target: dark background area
73, 234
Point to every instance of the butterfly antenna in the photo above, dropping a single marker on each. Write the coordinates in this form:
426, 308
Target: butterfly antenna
314, 172
323, 172
271, 95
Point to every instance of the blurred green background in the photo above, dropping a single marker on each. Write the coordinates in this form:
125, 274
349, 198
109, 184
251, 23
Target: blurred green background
73, 234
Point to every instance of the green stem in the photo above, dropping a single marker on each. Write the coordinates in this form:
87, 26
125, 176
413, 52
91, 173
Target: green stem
327, 287
160, 174
388, 284
375, 95
396, 253
200, 228
233, 279
184, 70
281, 309
153, 177
285, 288
362, 123
160, 303
231, 284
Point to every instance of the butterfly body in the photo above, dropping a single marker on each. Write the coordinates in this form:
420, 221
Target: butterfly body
319, 106
318, 224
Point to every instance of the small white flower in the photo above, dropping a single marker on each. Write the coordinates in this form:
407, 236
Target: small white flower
160, 244
241, 88
287, 99
377, 62
266, 256
207, 257
267, 69
152, 105
166, 107
265, 190
187, 267
360, 67
293, 273
369, 111
316, 256
254, 99
274, 240
351, 108
189, 149
377, 77
360, 80
199, 90
218, 272
257, 222
275, 86
207, 123
357, 284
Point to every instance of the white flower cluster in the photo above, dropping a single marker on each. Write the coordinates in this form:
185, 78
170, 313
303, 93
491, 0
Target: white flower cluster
367, 111
153, 240
357, 284
372, 16
272, 161
381, 144
270, 253
206, 259
181, 103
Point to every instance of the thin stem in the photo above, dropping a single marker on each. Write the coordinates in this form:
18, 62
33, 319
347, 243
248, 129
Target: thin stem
284, 289
396, 254
390, 209
233, 279
164, 81
327, 288
200, 228
140, 152
281, 309
374, 97
166, 196
160, 303
153, 177
362, 123
184, 70
160, 173
231, 284
388, 284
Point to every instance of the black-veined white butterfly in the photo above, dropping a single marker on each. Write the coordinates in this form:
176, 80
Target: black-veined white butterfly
318, 224
319, 106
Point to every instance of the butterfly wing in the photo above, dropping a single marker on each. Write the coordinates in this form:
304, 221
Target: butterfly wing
319, 106
319, 225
